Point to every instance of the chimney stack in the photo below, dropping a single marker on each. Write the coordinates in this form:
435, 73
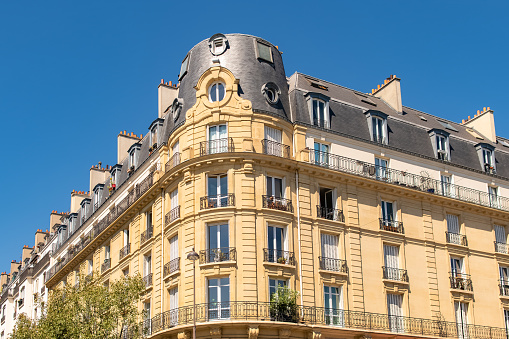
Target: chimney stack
390, 92
484, 123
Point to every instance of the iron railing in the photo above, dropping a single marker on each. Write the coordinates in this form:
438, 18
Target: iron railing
330, 213
395, 274
278, 256
124, 251
172, 215
147, 234
501, 247
461, 281
275, 148
310, 315
217, 146
172, 162
218, 254
504, 288
215, 201
456, 238
171, 266
331, 264
403, 178
276, 203
148, 280
391, 225
106, 265
111, 217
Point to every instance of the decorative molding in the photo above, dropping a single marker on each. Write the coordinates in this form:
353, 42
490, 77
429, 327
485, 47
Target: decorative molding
253, 332
184, 335
215, 332
284, 333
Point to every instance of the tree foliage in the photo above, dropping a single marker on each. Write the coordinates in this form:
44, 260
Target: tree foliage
88, 310
283, 305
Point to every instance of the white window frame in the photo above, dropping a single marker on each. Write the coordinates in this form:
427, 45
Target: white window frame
277, 283
220, 308
215, 87
273, 182
461, 315
333, 315
376, 122
493, 196
326, 113
446, 184
395, 312
381, 168
147, 264
385, 211
321, 153
442, 145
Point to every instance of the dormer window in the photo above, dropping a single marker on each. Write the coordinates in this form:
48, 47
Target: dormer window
184, 67
98, 189
218, 44
263, 51
154, 128
72, 222
440, 142
319, 109
377, 124
115, 175
84, 210
133, 157
486, 154
62, 234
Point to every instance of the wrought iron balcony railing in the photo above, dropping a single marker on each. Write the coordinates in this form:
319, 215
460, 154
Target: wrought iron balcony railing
331, 264
501, 247
391, 225
147, 234
106, 265
217, 146
172, 215
456, 238
330, 213
275, 203
218, 255
124, 251
395, 274
172, 162
409, 180
278, 256
215, 201
148, 280
275, 148
504, 288
171, 267
461, 281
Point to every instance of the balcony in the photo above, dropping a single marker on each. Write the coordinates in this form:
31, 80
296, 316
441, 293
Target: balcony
456, 238
172, 215
275, 148
278, 257
334, 265
215, 201
275, 203
461, 281
147, 235
394, 274
391, 226
490, 169
408, 180
174, 161
171, 267
124, 252
106, 265
501, 247
148, 280
213, 255
330, 213
504, 288
217, 146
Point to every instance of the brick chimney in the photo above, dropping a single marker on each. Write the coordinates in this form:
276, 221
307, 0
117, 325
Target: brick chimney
124, 142
39, 237
26, 253
98, 175
484, 123
14, 267
76, 199
390, 92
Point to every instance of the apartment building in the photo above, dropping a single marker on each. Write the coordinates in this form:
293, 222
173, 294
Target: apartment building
387, 220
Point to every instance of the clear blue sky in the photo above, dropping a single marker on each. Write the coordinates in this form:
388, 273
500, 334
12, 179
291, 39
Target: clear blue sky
74, 74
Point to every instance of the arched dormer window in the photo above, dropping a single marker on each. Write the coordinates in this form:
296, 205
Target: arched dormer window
318, 105
377, 124
440, 142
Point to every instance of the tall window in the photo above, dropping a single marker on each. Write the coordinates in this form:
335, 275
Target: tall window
276, 243
453, 230
273, 141
395, 312
275, 187
219, 298
175, 148
500, 239
218, 243
381, 166
378, 128
218, 190
461, 310
107, 252
147, 265
506, 320
330, 253
148, 224
391, 261
174, 199
441, 142
274, 284
493, 196
445, 183
457, 267
504, 280
327, 207
174, 304
333, 304
218, 139
90, 268
126, 237
174, 248
146, 318
216, 92
321, 154
388, 213
320, 113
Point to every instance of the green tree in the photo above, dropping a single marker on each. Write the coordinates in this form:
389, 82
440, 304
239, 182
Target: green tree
283, 305
88, 310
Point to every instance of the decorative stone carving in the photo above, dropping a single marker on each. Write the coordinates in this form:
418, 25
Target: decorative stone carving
215, 332
284, 333
315, 335
184, 335
253, 332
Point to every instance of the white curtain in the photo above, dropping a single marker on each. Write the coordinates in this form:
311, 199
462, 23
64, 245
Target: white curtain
174, 304
391, 255
273, 134
175, 148
500, 235
453, 225
174, 198
461, 319
174, 248
330, 246
395, 312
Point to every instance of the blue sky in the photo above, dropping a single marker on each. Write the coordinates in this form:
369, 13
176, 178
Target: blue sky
74, 74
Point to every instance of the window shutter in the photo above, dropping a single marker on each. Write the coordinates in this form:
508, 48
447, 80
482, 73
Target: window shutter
453, 224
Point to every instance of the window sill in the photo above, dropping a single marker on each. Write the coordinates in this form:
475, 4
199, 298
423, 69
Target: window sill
454, 290
218, 263
171, 275
343, 274
275, 264
399, 282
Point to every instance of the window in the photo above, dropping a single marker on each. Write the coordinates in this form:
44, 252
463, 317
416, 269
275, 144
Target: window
218, 243
275, 187
174, 199
388, 213
147, 328
125, 272
461, 310
493, 196
147, 265
218, 44
133, 156
154, 133
148, 224
320, 110
72, 222
175, 148
174, 304
216, 92
218, 190
271, 93
486, 153
506, 320
219, 298
84, 210
273, 142
184, 67
395, 312
263, 51
327, 205
107, 249
391, 262
90, 268
500, 239
218, 139
457, 268
487, 156
333, 304
321, 154
276, 243
98, 189
504, 280
445, 184
378, 126
453, 230
330, 253
442, 147
176, 107
115, 174
174, 248
126, 237
274, 284
381, 166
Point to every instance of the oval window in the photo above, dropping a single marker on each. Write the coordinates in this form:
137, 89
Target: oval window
216, 92
271, 92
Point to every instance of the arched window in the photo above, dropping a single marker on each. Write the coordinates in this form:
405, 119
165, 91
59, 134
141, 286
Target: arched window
216, 92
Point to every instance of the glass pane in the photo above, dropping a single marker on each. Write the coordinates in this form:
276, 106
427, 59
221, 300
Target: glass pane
183, 68
224, 243
315, 112
212, 132
224, 185
213, 293
322, 108
212, 189
279, 238
270, 239
222, 131
225, 295
278, 191
220, 92
213, 93
269, 186
264, 52
213, 236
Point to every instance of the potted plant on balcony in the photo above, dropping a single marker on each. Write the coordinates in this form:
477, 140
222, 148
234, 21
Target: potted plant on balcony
283, 305
281, 260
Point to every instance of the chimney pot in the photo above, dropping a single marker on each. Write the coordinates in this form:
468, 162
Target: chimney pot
469, 117
489, 109
162, 81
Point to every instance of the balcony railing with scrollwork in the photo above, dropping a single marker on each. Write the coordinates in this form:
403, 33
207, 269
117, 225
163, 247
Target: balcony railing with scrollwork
172, 215
275, 148
278, 256
461, 281
501, 247
147, 234
391, 225
456, 238
124, 252
224, 145
171, 267
409, 180
331, 264
148, 280
330, 213
106, 265
172, 162
395, 274
212, 255
215, 201
276, 203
